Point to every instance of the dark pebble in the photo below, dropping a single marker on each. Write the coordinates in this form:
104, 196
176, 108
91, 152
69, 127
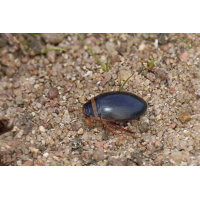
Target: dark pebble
76, 143
198, 96
21, 105
57, 111
54, 149
120, 50
162, 38
42, 148
5, 106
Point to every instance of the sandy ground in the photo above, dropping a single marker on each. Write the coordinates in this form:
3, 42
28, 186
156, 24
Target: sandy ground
42, 96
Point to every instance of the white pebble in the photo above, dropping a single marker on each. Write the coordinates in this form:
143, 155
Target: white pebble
156, 43
45, 154
80, 131
42, 129
142, 47
88, 73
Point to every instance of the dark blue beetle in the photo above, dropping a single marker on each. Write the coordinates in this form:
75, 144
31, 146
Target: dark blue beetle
111, 107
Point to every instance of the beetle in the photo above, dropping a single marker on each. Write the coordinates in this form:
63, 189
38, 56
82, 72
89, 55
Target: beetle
112, 107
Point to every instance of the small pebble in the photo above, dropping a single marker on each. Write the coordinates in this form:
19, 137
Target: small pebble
184, 56
79, 85
68, 87
151, 76
57, 111
51, 55
98, 78
80, 131
19, 100
53, 103
45, 154
1, 103
53, 93
173, 125
17, 92
159, 117
34, 150
34, 72
161, 74
66, 117
141, 47
158, 144
184, 116
172, 90
119, 162
162, 38
101, 71
25, 59
124, 74
53, 38
21, 105
16, 84
42, 129
28, 163
107, 77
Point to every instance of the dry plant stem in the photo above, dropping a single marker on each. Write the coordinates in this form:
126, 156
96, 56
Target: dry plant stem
16, 42
13, 39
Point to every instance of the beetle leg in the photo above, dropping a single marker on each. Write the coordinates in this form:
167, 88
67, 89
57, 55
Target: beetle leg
122, 129
88, 121
110, 129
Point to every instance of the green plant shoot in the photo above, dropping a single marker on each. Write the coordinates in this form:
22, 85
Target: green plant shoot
107, 63
121, 88
33, 34
52, 48
151, 63
189, 46
105, 68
